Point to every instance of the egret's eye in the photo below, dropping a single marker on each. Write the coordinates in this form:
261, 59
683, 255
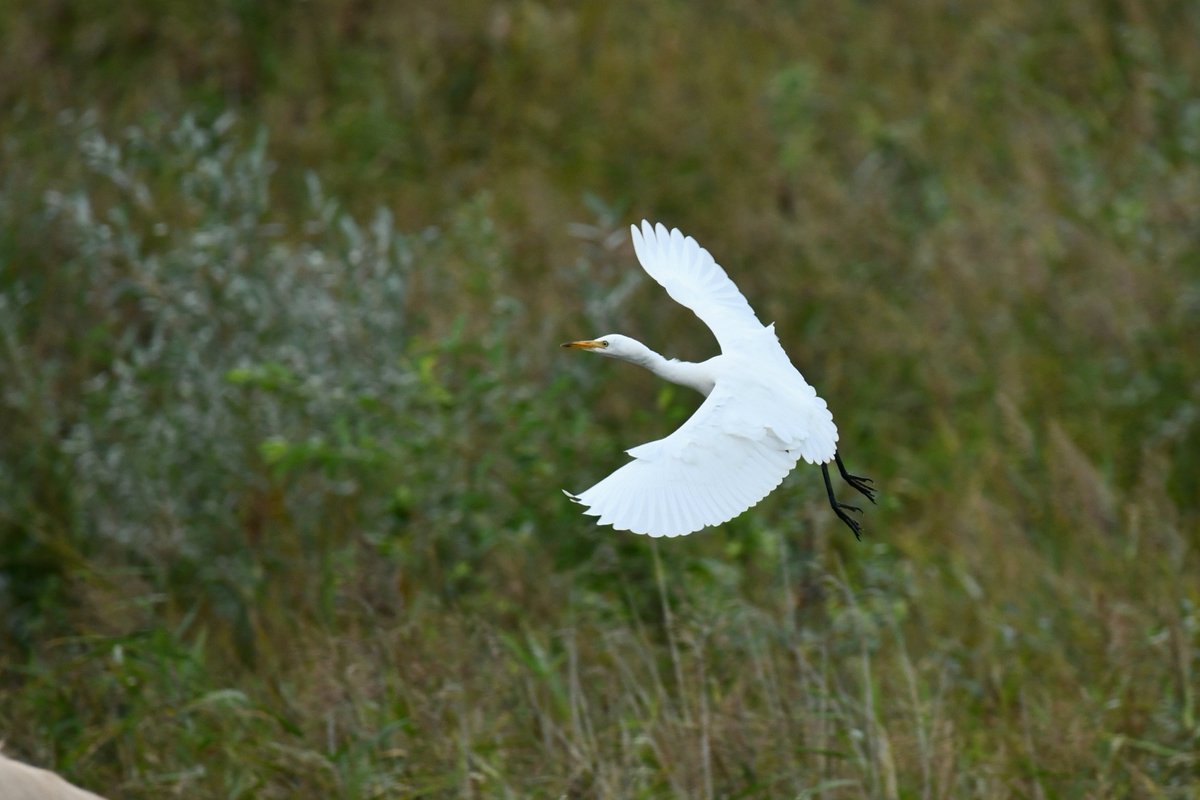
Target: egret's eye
604, 343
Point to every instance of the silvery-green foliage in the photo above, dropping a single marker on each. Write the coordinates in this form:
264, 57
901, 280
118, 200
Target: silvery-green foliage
226, 328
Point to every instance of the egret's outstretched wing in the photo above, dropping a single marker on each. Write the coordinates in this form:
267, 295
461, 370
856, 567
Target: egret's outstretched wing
726, 458
695, 280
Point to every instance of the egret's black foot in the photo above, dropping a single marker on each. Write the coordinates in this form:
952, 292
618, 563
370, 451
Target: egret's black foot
856, 481
841, 508
849, 520
860, 483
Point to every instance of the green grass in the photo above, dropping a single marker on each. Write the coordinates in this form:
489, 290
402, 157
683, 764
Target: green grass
284, 418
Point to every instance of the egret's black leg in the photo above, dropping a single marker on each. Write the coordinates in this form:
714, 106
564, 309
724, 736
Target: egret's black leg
857, 481
837, 507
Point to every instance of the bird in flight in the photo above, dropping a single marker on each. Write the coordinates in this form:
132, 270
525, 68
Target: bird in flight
759, 418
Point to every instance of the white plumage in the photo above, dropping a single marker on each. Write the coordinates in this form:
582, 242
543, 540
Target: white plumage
760, 416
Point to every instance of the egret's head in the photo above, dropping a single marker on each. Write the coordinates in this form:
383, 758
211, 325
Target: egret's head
613, 345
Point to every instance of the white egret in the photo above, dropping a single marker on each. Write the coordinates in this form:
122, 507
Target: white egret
759, 419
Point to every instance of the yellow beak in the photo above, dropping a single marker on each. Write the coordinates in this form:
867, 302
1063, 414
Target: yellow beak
587, 344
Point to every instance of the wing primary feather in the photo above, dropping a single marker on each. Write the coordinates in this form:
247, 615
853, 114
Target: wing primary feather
667, 508
680, 518
661, 518
694, 515
707, 507
625, 509
728, 501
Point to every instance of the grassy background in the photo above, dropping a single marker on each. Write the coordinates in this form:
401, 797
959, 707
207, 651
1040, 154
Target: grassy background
284, 418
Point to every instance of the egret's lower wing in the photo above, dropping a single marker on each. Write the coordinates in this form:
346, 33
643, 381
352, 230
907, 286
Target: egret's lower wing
675, 496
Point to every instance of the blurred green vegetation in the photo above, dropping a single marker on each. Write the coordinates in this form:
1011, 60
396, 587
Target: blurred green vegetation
284, 419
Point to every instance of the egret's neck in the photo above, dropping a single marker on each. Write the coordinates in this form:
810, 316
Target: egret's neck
684, 373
